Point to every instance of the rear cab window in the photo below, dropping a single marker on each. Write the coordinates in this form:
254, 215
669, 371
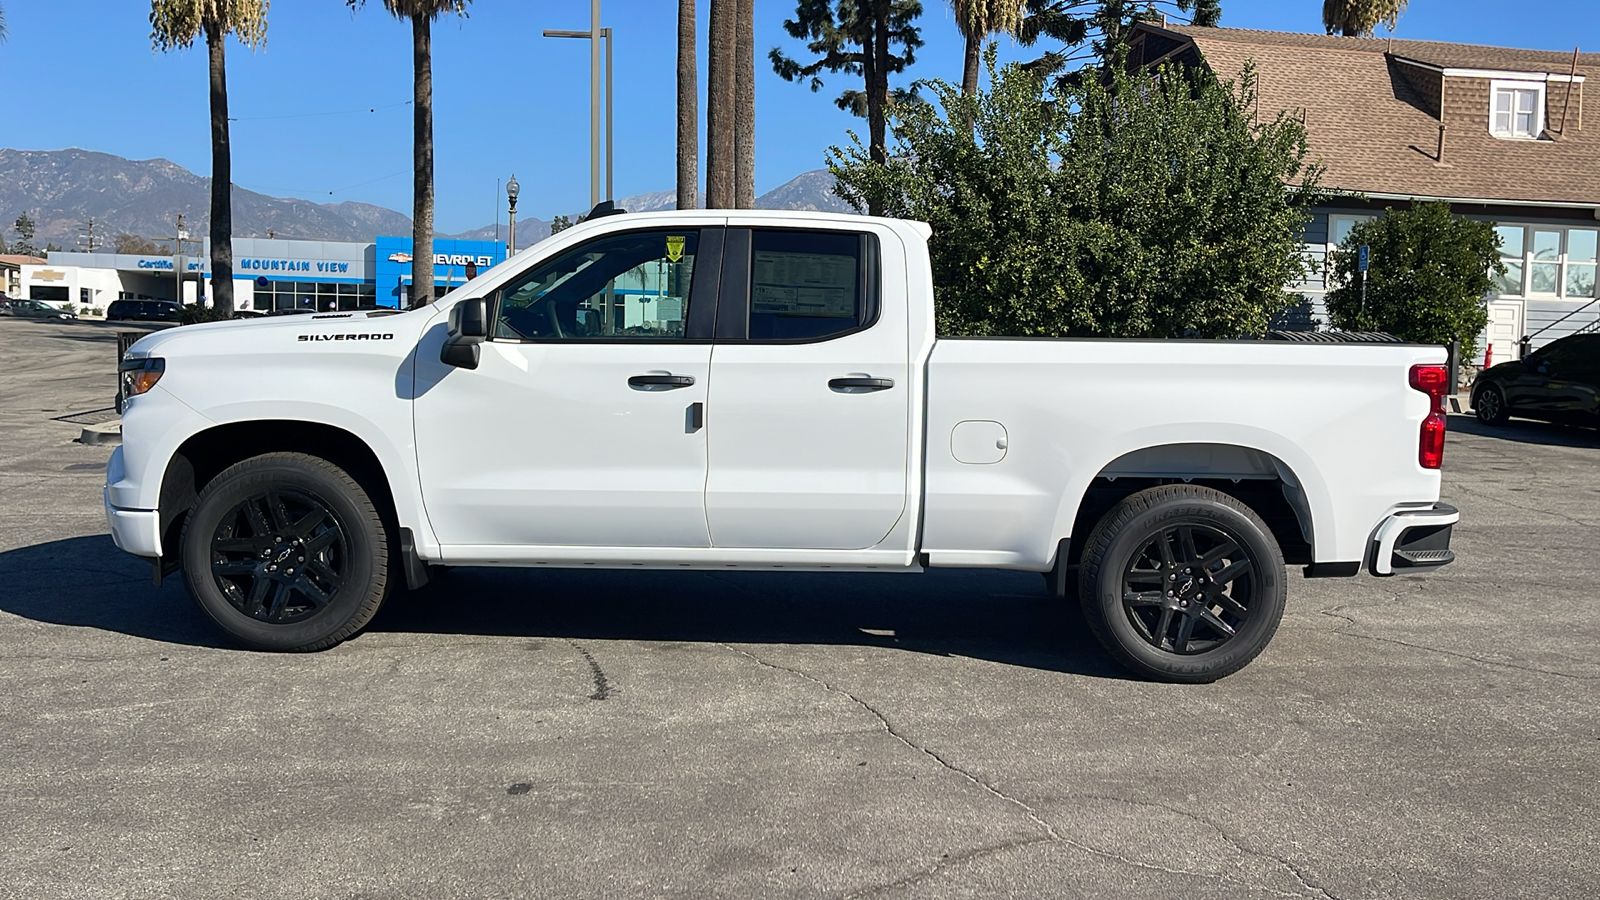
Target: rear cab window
798, 286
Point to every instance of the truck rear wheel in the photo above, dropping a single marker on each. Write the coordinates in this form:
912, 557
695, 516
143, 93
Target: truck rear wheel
285, 551
1182, 584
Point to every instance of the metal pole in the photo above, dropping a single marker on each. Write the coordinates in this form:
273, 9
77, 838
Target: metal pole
511, 246
594, 103
607, 33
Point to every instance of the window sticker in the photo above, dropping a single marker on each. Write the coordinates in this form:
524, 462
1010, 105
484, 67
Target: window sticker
804, 284
675, 247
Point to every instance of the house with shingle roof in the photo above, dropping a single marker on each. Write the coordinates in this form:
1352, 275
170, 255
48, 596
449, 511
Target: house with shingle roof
1499, 133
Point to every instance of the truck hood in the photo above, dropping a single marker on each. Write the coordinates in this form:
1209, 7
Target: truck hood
260, 333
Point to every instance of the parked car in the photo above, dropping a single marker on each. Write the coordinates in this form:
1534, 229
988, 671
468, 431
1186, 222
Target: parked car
144, 311
775, 399
1559, 382
34, 309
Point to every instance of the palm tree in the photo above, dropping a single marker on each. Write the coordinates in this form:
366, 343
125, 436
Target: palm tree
2, 23
721, 92
176, 23
688, 110
1360, 18
421, 14
744, 113
978, 19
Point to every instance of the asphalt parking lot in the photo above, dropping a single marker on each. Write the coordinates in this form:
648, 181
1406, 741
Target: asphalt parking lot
953, 734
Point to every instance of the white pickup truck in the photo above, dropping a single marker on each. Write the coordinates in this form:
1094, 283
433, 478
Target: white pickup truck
764, 390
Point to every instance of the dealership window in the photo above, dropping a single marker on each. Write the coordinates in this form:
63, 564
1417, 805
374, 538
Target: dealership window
1517, 109
1547, 261
320, 296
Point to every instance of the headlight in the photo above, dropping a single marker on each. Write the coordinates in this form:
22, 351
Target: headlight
140, 375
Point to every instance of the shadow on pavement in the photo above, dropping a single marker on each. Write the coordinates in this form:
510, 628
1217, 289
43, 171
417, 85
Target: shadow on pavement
1528, 432
1004, 617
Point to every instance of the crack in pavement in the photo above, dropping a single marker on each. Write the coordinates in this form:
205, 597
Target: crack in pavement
1333, 613
1482, 495
602, 684
1050, 834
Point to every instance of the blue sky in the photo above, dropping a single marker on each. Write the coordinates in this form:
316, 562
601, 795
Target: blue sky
81, 73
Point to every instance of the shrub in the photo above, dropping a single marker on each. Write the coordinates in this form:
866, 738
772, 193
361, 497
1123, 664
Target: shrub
1429, 275
1149, 206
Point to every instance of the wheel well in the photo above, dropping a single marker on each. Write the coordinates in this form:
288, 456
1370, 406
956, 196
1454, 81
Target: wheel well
1253, 478
205, 455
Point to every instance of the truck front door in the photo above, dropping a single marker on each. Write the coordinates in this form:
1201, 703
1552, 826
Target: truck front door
582, 425
810, 403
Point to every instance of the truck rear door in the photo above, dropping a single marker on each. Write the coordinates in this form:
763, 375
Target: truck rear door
809, 410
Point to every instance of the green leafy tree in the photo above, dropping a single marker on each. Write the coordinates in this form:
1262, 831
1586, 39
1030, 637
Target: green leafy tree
1094, 30
1430, 272
134, 245
871, 39
421, 14
560, 224
1145, 206
175, 24
1360, 18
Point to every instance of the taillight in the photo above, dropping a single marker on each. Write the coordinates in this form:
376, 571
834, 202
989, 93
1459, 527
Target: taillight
1433, 381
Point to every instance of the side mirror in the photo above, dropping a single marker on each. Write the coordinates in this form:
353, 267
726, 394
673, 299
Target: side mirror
469, 325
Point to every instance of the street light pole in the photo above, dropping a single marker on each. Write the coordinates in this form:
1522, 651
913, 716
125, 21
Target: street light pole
594, 35
512, 189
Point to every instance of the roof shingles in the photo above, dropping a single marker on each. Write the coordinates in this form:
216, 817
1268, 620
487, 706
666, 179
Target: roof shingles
1371, 114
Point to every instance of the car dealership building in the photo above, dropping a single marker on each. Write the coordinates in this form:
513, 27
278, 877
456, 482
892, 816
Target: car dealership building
268, 274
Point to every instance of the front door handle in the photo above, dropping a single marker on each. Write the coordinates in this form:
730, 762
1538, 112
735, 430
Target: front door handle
860, 385
656, 382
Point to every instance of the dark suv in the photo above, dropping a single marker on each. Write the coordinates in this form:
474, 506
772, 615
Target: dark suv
144, 311
1558, 383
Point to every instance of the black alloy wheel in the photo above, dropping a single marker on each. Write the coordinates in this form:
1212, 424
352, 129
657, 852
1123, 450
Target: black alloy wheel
286, 551
1490, 405
1188, 589
1182, 583
279, 556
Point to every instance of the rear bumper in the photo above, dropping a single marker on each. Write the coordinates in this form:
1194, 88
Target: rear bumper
137, 531
1413, 541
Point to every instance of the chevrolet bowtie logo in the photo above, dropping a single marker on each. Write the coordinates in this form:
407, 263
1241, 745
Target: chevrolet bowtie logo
399, 257
48, 275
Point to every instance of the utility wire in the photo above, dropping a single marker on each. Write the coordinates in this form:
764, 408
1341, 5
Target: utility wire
336, 112
300, 190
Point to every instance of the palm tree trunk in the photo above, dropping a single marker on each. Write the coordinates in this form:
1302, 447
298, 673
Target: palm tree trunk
688, 110
720, 90
221, 178
969, 71
877, 75
744, 170
422, 146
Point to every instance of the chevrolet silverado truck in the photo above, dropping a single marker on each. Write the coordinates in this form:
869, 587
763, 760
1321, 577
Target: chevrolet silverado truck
765, 390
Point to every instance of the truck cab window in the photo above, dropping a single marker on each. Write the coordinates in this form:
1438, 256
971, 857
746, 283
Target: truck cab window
626, 286
807, 285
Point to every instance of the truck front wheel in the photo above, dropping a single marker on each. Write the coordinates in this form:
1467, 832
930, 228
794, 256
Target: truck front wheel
1182, 584
285, 551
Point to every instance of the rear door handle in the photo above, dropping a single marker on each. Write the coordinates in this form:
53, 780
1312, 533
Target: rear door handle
660, 382
860, 385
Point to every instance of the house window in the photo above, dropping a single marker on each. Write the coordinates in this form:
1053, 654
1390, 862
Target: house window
1339, 228
1517, 109
1548, 261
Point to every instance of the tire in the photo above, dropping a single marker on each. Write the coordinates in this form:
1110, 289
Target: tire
1182, 584
286, 552
1489, 405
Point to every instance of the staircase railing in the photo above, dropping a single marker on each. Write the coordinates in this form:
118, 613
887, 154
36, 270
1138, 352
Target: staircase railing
1527, 339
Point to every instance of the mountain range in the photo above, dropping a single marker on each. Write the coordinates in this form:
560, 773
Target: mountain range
62, 190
